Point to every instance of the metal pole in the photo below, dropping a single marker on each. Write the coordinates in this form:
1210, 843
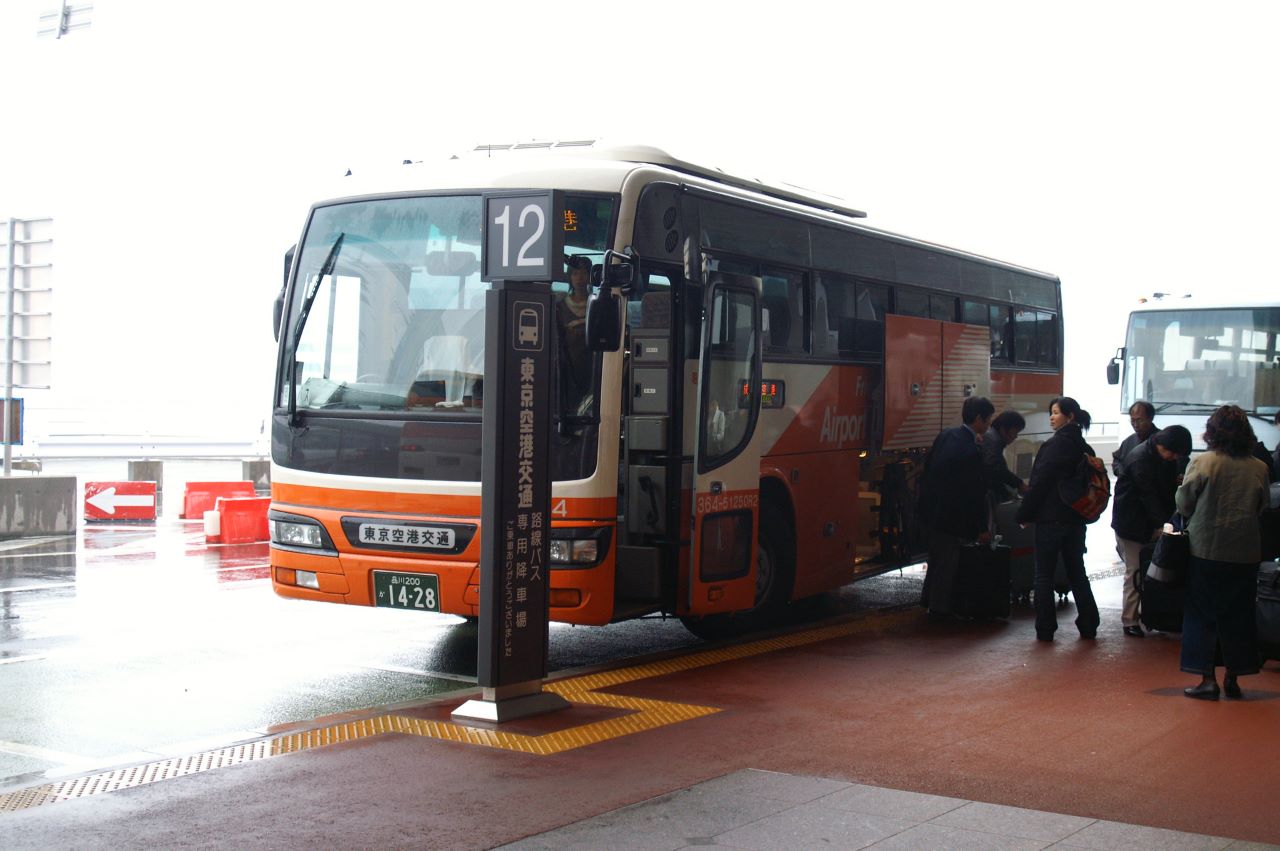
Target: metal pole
10, 294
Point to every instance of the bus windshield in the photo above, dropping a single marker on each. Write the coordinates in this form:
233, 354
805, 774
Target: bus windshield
398, 325
1195, 360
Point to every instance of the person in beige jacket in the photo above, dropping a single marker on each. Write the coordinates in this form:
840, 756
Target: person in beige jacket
1224, 492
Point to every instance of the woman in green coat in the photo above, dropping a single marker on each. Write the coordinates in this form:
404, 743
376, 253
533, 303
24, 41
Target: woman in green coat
1224, 492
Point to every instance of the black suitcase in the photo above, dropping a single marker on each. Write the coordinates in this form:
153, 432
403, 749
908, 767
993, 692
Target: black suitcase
981, 588
1022, 555
1269, 611
1161, 603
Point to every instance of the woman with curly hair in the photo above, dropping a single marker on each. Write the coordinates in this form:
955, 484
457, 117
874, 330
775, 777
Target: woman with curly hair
1224, 492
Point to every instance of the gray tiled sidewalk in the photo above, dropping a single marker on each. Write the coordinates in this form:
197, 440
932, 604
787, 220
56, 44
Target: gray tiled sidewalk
764, 810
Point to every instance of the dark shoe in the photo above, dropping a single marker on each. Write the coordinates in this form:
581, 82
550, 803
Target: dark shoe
1231, 689
1044, 636
1133, 631
1204, 691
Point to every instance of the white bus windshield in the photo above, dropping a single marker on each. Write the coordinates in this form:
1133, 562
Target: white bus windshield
1195, 360
399, 323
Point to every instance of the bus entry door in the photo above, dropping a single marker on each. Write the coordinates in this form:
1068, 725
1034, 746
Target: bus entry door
726, 494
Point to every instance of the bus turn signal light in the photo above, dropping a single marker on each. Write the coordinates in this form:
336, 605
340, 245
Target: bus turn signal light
300, 578
566, 598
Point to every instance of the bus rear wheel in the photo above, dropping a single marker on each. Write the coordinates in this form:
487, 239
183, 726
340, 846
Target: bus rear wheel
775, 576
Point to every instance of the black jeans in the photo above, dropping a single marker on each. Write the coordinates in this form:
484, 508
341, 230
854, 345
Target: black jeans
1066, 540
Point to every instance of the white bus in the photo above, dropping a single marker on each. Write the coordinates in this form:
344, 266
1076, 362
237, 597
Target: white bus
1188, 356
756, 438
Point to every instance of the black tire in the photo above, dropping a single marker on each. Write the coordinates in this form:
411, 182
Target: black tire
775, 578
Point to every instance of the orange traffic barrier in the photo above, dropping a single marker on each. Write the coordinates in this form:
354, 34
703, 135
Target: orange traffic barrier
201, 496
238, 520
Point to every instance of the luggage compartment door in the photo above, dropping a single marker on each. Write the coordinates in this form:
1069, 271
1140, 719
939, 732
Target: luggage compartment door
930, 368
726, 487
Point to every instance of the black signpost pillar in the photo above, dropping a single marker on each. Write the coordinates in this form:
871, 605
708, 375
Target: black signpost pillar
515, 502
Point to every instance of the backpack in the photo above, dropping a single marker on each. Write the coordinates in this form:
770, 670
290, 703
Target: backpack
1088, 489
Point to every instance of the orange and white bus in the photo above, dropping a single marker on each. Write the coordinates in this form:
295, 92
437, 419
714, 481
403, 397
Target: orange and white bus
756, 439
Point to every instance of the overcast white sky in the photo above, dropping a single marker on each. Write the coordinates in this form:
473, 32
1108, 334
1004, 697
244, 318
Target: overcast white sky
1126, 147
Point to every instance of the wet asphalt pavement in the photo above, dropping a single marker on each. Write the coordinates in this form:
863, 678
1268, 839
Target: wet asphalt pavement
128, 643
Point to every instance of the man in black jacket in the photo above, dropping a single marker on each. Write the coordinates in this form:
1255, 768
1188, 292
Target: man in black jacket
953, 505
1143, 503
1142, 416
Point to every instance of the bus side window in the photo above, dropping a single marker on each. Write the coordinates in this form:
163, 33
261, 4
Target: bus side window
785, 297
911, 303
833, 306
1001, 336
872, 305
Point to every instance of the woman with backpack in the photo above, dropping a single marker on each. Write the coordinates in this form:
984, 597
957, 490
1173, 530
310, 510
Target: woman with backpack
1059, 527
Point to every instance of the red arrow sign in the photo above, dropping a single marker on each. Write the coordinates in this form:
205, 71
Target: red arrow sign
119, 500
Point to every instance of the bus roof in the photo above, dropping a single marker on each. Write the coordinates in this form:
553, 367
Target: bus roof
592, 166
1166, 303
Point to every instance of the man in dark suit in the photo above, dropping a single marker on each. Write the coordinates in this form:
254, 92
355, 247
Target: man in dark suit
953, 504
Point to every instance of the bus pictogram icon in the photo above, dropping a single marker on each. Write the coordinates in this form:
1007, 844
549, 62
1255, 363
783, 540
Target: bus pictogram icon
528, 326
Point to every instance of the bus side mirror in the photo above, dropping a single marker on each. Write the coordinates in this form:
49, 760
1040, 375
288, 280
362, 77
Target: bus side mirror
278, 314
604, 321
1113, 368
618, 269
278, 311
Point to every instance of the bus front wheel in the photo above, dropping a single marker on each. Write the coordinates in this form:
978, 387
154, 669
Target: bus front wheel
775, 576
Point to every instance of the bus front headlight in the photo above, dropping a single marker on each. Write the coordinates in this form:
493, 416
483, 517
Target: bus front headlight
290, 533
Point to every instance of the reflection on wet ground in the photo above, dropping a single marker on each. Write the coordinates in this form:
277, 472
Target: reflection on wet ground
126, 642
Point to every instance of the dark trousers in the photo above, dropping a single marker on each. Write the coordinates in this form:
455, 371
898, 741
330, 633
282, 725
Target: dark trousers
1065, 540
940, 577
1221, 610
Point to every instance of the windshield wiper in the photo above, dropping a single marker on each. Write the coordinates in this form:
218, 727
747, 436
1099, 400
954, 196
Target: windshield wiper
1210, 406
304, 310
1202, 406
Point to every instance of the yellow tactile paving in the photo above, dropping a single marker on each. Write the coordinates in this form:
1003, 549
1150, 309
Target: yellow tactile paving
643, 714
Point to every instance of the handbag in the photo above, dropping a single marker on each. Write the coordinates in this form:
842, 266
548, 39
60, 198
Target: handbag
1172, 554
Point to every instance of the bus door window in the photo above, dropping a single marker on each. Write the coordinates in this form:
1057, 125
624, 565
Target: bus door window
727, 396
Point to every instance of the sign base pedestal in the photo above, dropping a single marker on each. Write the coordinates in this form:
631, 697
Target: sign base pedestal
507, 703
